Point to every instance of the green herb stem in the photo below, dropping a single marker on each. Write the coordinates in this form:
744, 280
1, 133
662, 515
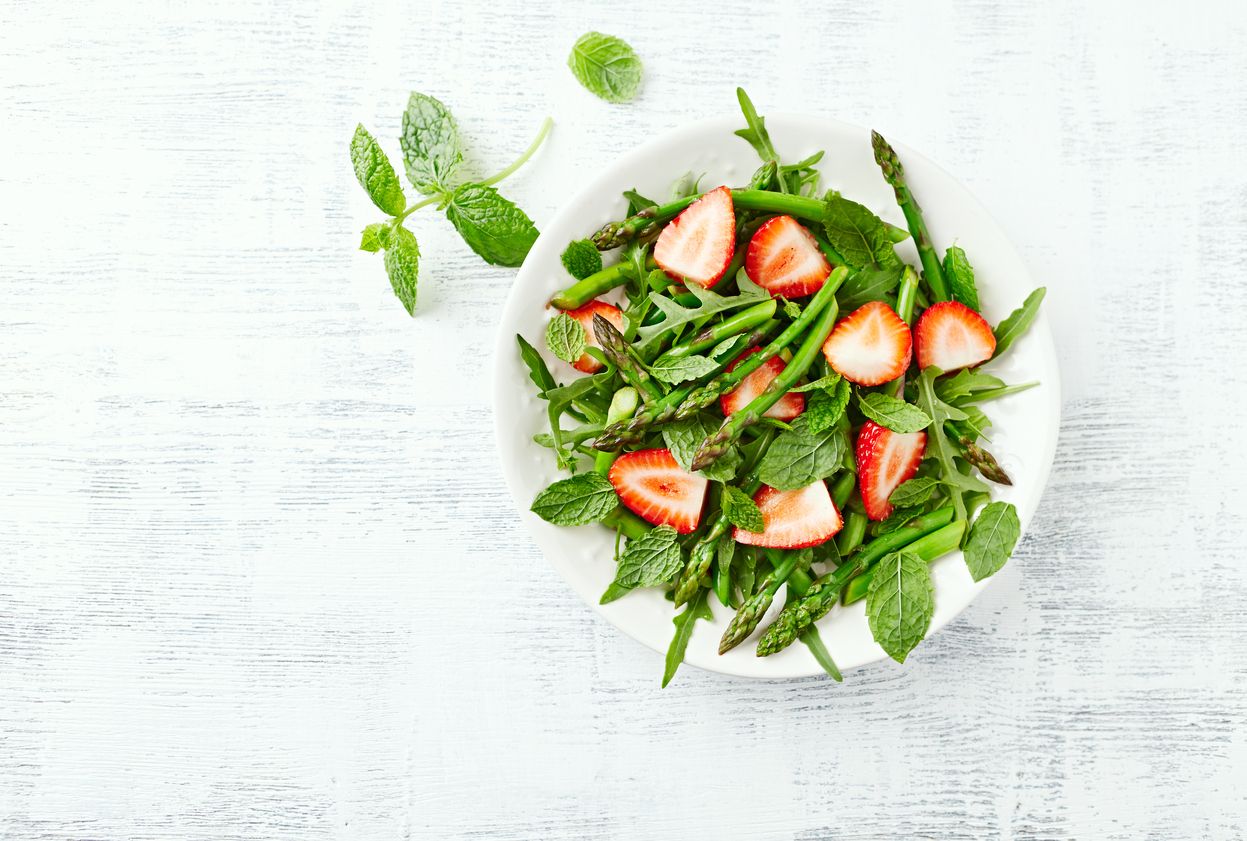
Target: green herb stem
546, 125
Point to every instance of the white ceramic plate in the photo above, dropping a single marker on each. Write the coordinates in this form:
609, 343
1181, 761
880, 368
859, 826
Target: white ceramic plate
1023, 439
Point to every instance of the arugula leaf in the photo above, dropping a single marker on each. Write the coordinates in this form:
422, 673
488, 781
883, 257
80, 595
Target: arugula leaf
637, 202
799, 457
828, 382
748, 576
375, 173
651, 560
792, 309
895, 520
940, 447
430, 143
741, 511
825, 408
870, 284
560, 399
402, 264
683, 437
814, 643
900, 603
565, 337
493, 226
581, 259
965, 382
755, 133
857, 234
960, 276
606, 66
375, 237
678, 369
710, 302
698, 608
585, 498
1018, 322
991, 540
896, 415
537, 370
914, 492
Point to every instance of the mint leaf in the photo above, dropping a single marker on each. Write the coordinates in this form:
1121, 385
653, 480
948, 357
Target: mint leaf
698, 608
799, 457
430, 143
537, 370
914, 492
678, 369
402, 264
960, 276
565, 337
741, 511
375, 173
650, 560
827, 383
683, 437
991, 540
824, 408
493, 226
896, 415
895, 520
792, 309
581, 259
375, 237
1018, 322
606, 66
900, 603
857, 234
964, 383
584, 498
870, 284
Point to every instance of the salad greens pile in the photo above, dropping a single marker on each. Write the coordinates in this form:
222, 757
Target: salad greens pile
771, 398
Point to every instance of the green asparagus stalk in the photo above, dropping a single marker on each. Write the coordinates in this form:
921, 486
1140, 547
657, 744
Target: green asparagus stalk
624, 357
985, 462
825, 298
747, 319
929, 547
583, 291
717, 444
851, 536
623, 404
751, 612
894, 174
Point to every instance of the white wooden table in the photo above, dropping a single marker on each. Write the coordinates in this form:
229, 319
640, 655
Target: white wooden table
259, 577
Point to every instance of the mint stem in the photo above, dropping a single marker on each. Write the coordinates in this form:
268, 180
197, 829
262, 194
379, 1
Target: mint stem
522, 159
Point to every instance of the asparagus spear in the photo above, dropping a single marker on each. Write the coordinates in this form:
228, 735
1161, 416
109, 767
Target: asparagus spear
929, 547
583, 291
716, 445
755, 316
624, 357
894, 174
751, 612
822, 595
703, 396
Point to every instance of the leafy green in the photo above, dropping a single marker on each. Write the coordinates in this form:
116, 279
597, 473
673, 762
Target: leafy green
940, 447
991, 540
1019, 321
870, 284
825, 407
537, 370
755, 133
799, 457
900, 603
683, 437
678, 369
375, 173
375, 237
698, 608
710, 303
493, 226
964, 383
606, 66
857, 234
895, 520
651, 560
565, 337
814, 643
896, 415
581, 259
430, 143
741, 511
402, 264
637, 202
581, 499
826, 383
914, 492
960, 276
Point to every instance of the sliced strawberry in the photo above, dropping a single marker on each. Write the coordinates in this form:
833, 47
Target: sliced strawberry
884, 460
786, 408
793, 519
870, 345
698, 244
784, 259
950, 335
658, 490
585, 315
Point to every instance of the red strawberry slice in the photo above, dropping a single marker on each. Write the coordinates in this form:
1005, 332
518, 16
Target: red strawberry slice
785, 409
870, 346
654, 486
697, 245
950, 335
585, 315
784, 259
793, 519
884, 460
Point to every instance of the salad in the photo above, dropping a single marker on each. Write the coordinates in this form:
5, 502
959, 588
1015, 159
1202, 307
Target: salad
769, 397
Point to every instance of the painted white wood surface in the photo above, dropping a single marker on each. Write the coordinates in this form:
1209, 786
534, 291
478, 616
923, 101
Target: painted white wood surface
258, 575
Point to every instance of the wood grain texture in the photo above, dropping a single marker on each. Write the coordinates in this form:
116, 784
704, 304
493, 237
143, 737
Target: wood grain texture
235, 474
